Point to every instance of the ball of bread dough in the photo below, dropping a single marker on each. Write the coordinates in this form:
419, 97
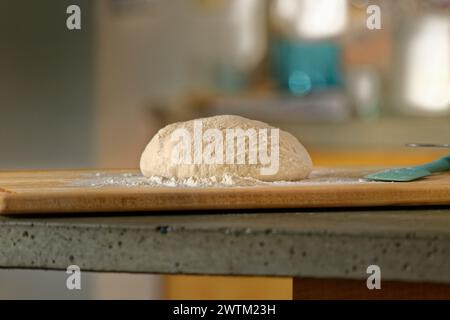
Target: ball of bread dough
226, 144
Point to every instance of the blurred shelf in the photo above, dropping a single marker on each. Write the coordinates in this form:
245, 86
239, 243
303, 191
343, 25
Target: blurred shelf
384, 134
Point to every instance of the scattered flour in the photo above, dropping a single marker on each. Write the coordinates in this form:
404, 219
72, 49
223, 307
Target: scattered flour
134, 179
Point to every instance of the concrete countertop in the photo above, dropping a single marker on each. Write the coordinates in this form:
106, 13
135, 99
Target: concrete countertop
408, 244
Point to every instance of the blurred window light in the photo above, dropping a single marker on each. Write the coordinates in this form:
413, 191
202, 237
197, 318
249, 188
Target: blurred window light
248, 22
427, 78
286, 9
312, 19
322, 18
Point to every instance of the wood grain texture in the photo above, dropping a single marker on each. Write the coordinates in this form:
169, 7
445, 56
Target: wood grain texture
70, 191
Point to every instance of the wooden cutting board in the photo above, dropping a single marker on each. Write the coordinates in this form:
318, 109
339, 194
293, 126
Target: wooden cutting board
121, 190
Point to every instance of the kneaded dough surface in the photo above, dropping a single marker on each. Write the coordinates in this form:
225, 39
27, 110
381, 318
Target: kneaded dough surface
294, 161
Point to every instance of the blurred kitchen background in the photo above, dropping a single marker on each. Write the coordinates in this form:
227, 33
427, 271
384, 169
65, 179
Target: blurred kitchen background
321, 69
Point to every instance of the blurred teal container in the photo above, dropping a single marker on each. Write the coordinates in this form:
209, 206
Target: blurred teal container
301, 66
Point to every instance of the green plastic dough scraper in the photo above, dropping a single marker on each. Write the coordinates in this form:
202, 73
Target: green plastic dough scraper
413, 173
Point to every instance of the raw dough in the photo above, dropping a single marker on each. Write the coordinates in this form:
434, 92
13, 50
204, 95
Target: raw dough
292, 163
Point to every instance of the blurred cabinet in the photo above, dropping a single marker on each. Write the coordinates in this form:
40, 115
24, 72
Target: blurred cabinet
46, 85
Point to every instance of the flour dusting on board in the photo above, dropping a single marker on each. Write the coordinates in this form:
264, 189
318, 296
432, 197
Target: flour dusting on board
134, 179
